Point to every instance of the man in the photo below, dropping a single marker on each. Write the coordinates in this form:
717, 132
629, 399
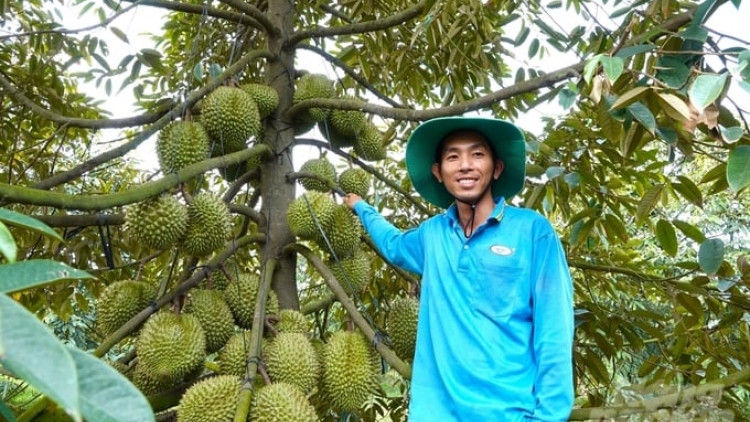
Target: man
494, 341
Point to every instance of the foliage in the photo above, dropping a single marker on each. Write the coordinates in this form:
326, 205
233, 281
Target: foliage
644, 172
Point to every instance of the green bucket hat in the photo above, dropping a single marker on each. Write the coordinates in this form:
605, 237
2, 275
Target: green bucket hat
507, 140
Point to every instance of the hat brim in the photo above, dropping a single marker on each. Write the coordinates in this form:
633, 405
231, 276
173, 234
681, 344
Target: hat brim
505, 137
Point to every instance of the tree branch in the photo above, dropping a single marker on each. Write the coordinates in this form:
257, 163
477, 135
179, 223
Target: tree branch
349, 71
396, 363
193, 98
31, 196
360, 27
200, 9
256, 14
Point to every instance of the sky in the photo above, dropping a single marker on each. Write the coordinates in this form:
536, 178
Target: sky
143, 19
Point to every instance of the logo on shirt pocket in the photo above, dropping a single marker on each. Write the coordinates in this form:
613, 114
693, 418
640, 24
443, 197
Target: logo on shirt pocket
501, 250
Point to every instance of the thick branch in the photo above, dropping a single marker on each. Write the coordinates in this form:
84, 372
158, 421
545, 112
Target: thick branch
31, 196
81, 220
349, 71
256, 14
396, 363
199, 9
688, 396
360, 27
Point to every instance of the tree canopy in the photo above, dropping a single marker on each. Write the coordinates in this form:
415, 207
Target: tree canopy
644, 173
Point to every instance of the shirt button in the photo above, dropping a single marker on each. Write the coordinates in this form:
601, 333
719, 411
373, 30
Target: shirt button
466, 246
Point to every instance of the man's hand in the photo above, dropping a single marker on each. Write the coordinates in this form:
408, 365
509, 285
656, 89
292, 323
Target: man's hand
351, 198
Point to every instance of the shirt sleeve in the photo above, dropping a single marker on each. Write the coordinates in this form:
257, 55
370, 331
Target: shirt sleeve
553, 329
401, 248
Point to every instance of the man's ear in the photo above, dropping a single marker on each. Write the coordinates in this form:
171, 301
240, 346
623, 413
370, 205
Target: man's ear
436, 172
499, 166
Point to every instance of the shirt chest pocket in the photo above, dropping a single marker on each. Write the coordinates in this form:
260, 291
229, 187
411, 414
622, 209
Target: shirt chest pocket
500, 289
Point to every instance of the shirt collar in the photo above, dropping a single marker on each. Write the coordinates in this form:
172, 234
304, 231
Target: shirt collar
497, 212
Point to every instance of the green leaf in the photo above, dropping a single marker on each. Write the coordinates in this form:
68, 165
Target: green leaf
30, 351
521, 36
119, 34
667, 237
554, 171
672, 72
705, 89
590, 68
690, 303
105, 394
732, 134
21, 220
696, 33
648, 202
567, 98
573, 179
689, 191
613, 67
738, 168
630, 97
710, 255
641, 113
689, 230
198, 71
533, 47
36, 272
8, 247
214, 70
634, 50
4, 410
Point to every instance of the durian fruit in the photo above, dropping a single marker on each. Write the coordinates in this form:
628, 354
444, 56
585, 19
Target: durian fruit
282, 402
336, 138
241, 294
369, 145
121, 301
313, 86
353, 273
292, 321
401, 326
157, 223
230, 117
149, 384
351, 370
232, 358
343, 232
266, 98
355, 180
214, 315
349, 122
212, 399
217, 279
180, 144
291, 357
171, 347
209, 225
300, 127
320, 167
309, 213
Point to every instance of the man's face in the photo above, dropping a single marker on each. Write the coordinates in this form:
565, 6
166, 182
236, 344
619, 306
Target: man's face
466, 166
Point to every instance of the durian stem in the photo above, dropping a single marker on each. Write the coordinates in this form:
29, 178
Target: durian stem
36, 407
256, 335
394, 361
183, 287
316, 305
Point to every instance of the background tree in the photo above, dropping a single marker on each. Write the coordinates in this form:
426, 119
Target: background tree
644, 174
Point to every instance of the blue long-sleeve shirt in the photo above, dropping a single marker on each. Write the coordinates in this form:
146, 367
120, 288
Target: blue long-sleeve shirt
495, 332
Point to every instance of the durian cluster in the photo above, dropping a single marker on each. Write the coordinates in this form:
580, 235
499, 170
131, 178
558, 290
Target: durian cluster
199, 229
342, 128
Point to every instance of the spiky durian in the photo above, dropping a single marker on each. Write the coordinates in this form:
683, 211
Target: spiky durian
171, 347
266, 98
353, 273
349, 122
369, 145
355, 180
147, 383
401, 326
320, 167
180, 144
310, 213
232, 357
121, 301
210, 400
218, 279
241, 294
336, 138
351, 369
209, 225
214, 315
342, 233
292, 321
230, 117
311, 86
158, 222
282, 402
291, 357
